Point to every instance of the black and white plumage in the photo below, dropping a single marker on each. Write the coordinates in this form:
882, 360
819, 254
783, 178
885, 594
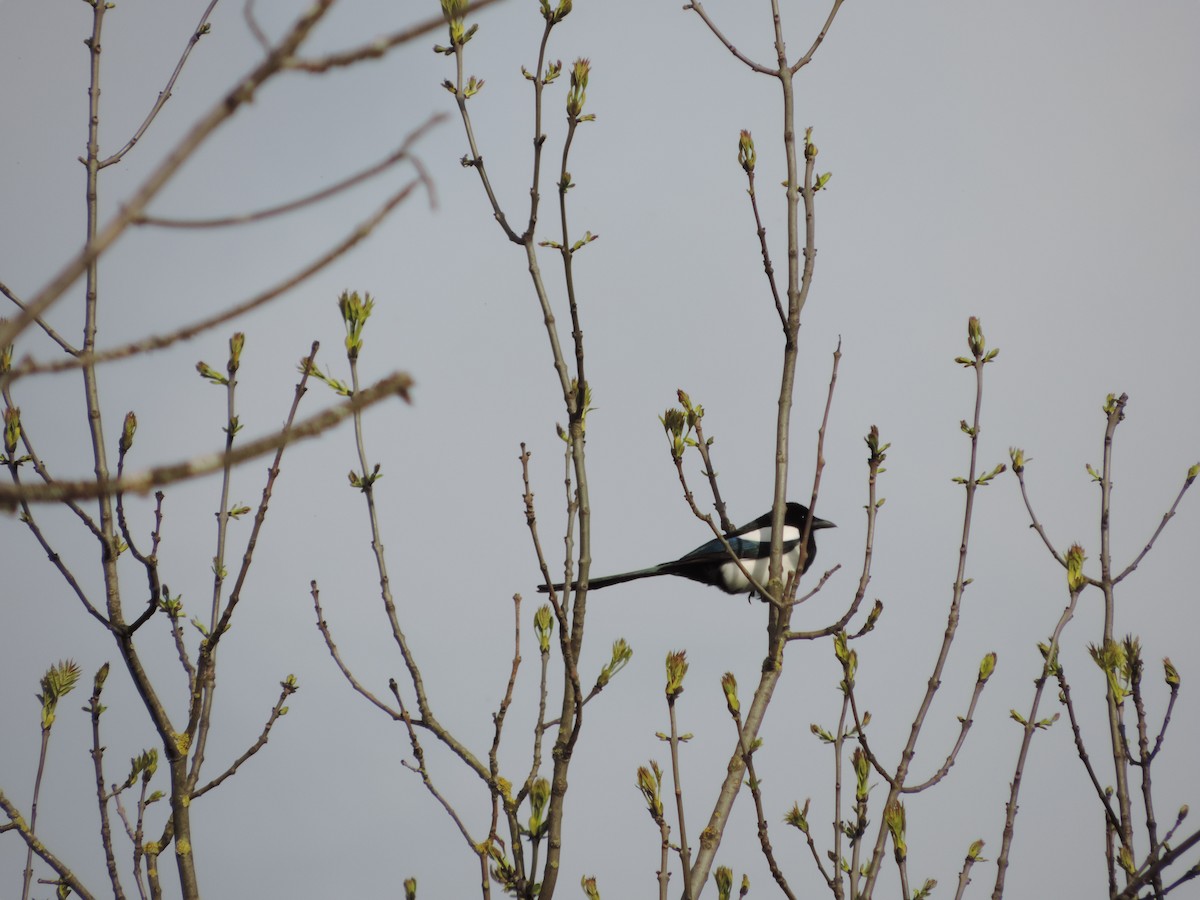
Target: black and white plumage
710, 563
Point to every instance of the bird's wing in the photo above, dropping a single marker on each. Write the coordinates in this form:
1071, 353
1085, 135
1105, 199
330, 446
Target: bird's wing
753, 543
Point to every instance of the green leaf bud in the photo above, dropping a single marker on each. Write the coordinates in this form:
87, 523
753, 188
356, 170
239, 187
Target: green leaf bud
128, 430
1075, 577
543, 626
987, 666
893, 816
12, 429
797, 817
746, 155
677, 667
577, 94
729, 686
724, 879
1170, 673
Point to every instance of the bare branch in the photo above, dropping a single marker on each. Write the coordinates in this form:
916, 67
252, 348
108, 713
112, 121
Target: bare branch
1167, 516
65, 874
159, 342
398, 384
380, 46
323, 626
807, 57
712, 26
220, 112
41, 323
289, 687
315, 197
200, 30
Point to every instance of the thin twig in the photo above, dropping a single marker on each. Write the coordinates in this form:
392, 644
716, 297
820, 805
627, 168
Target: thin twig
977, 362
1030, 726
41, 323
28, 366
289, 687
807, 57
95, 709
396, 384
264, 502
764, 837
768, 268
203, 128
1146, 873
699, 10
710, 473
51, 554
420, 769
39, 467
685, 853
350, 181
965, 723
1065, 696
1167, 516
65, 874
164, 95
380, 46
323, 626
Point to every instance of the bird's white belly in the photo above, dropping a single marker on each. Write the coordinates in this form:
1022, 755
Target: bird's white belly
735, 582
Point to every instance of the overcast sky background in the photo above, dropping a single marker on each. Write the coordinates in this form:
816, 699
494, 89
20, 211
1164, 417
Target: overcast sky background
1031, 164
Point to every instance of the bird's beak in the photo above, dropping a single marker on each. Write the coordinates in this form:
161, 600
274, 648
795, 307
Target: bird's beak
822, 523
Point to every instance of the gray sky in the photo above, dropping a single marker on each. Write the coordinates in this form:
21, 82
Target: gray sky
1030, 164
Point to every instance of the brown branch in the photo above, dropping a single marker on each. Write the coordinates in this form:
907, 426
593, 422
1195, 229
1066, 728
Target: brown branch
699, 10
1170, 514
220, 112
253, 27
397, 384
807, 57
380, 46
185, 660
1162, 731
965, 723
1030, 725
51, 554
685, 853
506, 701
1065, 689
350, 181
264, 502
690, 499
764, 837
29, 366
164, 95
711, 474
1034, 522
289, 687
43, 472
761, 231
1144, 763
95, 709
421, 770
41, 323
323, 626
1158, 865
65, 874
977, 362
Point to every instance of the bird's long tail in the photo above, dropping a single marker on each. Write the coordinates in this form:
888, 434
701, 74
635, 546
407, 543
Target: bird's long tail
594, 584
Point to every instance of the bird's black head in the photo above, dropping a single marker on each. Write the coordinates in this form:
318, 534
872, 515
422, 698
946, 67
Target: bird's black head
797, 514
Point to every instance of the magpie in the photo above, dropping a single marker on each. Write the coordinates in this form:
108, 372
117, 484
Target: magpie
710, 563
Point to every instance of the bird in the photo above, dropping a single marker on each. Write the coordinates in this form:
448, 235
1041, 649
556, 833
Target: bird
711, 564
